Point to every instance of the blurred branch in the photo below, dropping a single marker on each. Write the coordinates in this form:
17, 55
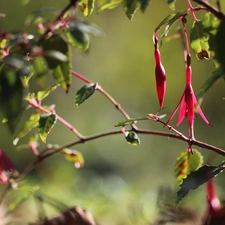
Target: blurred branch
33, 103
211, 8
72, 3
101, 90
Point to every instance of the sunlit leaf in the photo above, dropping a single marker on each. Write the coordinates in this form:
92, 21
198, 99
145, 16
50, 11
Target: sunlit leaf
11, 95
30, 96
40, 69
74, 156
186, 163
108, 4
46, 123
61, 70
43, 94
171, 4
197, 178
87, 6
28, 126
199, 41
84, 93
132, 138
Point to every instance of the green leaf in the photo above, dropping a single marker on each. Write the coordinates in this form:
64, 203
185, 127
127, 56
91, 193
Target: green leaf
40, 67
144, 4
57, 55
197, 178
38, 15
217, 74
21, 199
46, 123
171, 4
43, 94
132, 138
28, 126
74, 156
220, 49
169, 21
17, 64
131, 7
199, 41
77, 38
128, 121
108, 4
186, 163
30, 96
11, 95
87, 6
60, 69
84, 93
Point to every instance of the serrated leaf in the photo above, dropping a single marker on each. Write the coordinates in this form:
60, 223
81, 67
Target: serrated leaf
171, 4
74, 156
199, 41
11, 95
43, 94
132, 138
128, 121
217, 74
84, 93
197, 178
28, 126
61, 70
186, 163
169, 21
87, 6
46, 123
108, 4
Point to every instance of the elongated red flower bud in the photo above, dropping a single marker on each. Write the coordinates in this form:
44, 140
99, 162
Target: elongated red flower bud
160, 76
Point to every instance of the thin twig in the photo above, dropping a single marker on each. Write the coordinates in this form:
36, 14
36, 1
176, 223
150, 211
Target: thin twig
33, 103
106, 94
59, 17
211, 8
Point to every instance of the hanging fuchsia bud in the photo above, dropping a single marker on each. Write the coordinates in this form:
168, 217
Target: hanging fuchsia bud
160, 75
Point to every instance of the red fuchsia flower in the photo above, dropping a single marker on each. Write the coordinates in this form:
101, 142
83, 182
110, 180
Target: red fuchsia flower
160, 75
5, 165
188, 101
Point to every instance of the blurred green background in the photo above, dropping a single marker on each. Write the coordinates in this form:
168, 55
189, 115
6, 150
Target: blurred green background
119, 182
